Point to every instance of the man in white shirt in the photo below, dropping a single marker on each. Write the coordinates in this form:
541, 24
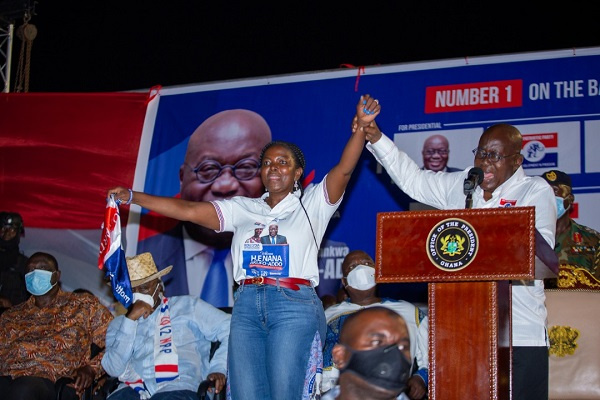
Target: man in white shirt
504, 184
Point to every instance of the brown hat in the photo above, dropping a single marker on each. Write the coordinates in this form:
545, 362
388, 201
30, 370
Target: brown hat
142, 269
555, 177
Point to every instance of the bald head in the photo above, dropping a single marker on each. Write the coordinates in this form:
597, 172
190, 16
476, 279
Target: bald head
225, 138
363, 326
373, 329
230, 130
229, 138
504, 141
507, 134
435, 153
354, 258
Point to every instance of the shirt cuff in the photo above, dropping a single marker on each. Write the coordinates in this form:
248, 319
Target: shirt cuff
382, 147
423, 373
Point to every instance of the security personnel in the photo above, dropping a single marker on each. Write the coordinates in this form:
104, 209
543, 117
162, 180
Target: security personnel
577, 246
12, 261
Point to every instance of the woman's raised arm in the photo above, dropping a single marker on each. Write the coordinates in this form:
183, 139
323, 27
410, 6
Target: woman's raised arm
339, 176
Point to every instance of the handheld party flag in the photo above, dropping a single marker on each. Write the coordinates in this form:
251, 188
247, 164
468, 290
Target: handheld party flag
112, 256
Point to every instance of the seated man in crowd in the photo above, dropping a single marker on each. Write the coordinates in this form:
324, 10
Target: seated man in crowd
373, 356
359, 281
163, 343
50, 336
577, 246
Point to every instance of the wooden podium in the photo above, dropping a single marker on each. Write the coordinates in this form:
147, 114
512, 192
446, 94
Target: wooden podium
468, 258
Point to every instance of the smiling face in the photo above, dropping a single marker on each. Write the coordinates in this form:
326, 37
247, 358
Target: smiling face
279, 171
273, 229
506, 141
225, 138
435, 153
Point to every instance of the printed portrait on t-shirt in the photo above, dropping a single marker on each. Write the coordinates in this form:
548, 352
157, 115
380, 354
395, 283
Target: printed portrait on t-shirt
266, 255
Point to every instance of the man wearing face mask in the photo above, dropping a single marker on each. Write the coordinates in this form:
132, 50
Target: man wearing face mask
358, 270
577, 246
373, 355
50, 336
173, 335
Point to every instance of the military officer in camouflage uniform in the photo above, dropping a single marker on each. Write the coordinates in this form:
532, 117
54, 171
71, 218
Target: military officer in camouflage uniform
577, 246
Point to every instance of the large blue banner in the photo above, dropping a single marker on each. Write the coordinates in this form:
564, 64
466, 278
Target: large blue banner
552, 97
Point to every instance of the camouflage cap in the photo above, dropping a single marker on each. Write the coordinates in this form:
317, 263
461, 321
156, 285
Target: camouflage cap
555, 177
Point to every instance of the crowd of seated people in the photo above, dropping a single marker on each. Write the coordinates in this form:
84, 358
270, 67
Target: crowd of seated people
50, 336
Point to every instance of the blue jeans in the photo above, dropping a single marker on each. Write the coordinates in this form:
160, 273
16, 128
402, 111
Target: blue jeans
130, 394
272, 329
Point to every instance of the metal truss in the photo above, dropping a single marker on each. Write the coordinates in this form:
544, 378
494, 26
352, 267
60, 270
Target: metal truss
6, 42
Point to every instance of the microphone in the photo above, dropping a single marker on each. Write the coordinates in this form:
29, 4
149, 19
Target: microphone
474, 178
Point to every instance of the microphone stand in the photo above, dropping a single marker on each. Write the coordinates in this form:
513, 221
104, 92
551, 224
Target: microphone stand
470, 184
469, 200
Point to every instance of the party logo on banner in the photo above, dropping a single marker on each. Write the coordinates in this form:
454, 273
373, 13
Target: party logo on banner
540, 150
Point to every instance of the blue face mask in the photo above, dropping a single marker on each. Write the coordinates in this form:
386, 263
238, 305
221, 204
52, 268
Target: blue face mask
38, 282
560, 207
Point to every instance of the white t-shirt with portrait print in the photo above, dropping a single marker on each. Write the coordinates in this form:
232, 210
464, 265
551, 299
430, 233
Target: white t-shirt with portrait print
297, 258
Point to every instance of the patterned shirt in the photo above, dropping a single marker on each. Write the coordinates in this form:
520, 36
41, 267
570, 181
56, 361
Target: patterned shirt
578, 250
53, 341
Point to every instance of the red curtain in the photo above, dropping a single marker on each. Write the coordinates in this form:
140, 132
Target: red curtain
60, 152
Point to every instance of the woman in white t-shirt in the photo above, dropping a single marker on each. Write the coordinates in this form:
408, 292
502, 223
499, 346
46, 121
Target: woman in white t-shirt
278, 323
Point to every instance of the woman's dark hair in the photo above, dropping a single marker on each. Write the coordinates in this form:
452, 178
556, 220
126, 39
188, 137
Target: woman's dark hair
297, 154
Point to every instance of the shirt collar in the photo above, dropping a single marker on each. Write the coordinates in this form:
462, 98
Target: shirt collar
192, 247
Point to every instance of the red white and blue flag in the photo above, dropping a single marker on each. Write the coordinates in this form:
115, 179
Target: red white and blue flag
112, 256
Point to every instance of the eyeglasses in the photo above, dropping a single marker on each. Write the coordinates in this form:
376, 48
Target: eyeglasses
493, 156
441, 152
243, 170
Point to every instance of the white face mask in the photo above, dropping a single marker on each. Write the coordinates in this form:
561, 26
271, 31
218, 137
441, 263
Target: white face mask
362, 277
146, 298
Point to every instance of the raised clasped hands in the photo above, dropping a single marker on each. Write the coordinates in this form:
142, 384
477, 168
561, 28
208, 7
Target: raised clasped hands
366, 110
